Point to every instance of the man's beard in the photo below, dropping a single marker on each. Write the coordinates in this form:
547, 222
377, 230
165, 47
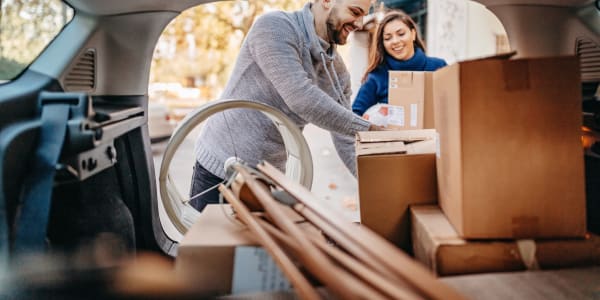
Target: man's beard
335, 34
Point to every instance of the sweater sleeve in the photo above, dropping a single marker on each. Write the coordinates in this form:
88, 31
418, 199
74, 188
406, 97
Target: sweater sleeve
366, 97
275, 47
344, 146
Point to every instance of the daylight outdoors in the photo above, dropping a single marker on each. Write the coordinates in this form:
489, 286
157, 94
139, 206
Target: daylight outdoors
193, 57
26, 27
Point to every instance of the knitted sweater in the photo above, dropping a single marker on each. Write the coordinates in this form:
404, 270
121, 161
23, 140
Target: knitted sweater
282, 63
375, 89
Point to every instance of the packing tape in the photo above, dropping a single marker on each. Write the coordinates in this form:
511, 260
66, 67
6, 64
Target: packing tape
527, 253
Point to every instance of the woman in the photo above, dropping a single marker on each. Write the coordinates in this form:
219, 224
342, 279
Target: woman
396, 47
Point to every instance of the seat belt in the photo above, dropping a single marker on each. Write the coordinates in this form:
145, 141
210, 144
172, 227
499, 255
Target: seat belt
32, 220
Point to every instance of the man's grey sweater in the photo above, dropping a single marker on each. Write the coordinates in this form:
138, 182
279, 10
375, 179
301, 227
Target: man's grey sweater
284, 64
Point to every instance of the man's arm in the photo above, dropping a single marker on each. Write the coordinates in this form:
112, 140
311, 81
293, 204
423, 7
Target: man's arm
344, 146
275, 47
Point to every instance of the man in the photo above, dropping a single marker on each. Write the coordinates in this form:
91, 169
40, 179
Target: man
288, 61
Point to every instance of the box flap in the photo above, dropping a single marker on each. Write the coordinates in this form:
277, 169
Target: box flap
395, 135
433, 221
380, 148
505, 55
214, 229
421, 147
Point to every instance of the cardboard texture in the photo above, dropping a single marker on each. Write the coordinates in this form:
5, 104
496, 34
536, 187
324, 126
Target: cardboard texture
437, 245
388, 182
509, 160
412, 94
206, 252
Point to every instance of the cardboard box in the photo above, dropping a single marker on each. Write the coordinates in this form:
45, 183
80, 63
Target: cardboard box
411, 94
437, 245
392, 174
510, 161
220, 256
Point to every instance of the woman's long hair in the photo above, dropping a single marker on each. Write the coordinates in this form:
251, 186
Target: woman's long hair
377, 51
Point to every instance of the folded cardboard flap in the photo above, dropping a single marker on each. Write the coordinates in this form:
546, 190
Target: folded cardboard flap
380, 148
500, 56
395, 142
421, 147
391, 136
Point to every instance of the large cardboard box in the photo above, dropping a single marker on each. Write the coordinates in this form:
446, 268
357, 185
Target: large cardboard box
393, 174
437, 245
510, 160
411, 94
220, 256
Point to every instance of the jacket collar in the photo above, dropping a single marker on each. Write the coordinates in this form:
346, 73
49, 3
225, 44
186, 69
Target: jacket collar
317, 44
415, 63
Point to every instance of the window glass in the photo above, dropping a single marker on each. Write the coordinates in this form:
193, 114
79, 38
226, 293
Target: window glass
196, 52
26, 28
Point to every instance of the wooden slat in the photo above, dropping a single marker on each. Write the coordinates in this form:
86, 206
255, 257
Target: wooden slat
373, 279
421, 279
303, 287
335, 278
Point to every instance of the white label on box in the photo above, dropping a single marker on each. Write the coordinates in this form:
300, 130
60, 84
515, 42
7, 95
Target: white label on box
396, 115
437, 145
255, 271
413, 115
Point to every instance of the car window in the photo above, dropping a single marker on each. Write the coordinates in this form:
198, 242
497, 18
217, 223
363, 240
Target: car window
26, 28
191, 63
193, 57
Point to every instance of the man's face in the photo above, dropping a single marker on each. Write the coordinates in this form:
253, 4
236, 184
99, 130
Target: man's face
344, 17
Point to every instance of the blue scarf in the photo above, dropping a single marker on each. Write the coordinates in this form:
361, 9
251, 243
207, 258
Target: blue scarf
416, 63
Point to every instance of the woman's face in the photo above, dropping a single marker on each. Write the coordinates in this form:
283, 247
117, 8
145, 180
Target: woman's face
398, 40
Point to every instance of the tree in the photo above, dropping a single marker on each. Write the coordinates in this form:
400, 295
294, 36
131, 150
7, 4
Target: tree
26, 27
203, 41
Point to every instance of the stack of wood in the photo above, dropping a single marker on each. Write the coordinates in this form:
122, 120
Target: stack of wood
348, 260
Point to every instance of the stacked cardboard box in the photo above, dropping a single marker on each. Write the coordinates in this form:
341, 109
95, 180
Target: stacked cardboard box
395, 169
439, 246
509, 167
510, 161
220, 256
410, 94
